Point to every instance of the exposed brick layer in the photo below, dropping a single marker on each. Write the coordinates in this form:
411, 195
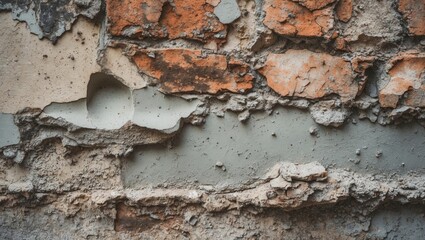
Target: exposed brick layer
161, 19
286, 17
407, 75
184, 70
414, 13
302, 73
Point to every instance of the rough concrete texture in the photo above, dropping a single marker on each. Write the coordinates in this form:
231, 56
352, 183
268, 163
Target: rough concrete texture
212, 119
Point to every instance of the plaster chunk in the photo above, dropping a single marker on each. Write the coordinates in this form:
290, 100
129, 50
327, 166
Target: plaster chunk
372, 19
328, 114
308, 172
227, 11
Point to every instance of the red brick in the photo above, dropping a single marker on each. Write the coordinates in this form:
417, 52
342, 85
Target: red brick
190, 19
314, 4
414, 13
301, 73
286, 17
407, 73
184, 70
344, 10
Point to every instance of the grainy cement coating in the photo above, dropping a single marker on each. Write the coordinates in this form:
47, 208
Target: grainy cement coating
212, 119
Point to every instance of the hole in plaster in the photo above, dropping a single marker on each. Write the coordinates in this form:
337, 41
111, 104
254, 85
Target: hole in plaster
109, 102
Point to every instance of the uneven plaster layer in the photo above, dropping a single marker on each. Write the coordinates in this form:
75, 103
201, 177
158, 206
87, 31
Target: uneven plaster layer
45, 73
347, 202
247, 149
114, 62
110, 105
9, 132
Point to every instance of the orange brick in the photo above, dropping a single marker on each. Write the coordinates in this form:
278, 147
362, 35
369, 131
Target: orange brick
344, 10
302, 73
286, 17
414, 13
314, 4
407, 73
189, 19
184, 70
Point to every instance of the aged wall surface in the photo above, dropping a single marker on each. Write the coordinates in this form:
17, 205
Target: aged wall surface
212, 119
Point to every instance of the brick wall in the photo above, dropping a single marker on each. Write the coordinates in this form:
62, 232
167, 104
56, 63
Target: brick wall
205, 119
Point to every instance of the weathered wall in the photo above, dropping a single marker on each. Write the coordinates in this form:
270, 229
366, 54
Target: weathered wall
212, 119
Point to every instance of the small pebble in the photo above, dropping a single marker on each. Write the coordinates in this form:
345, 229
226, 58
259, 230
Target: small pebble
378, 154
313, 131
358, 152
219, 164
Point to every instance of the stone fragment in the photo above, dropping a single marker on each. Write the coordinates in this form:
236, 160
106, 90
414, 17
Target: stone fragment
227, 11
313, 171
413, 12
289, 18
407, 74
314, 131
189, 19
19, 187
328, 114
302, 73
279, 183
184, 70
244, 116
344, 10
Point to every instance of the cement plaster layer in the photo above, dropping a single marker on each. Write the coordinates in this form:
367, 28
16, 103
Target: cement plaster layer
35, 72
9, 132
247, 150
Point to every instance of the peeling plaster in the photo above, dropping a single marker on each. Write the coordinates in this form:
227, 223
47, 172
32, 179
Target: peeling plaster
50, 19
45, 73
117, 64
110, 105
9, 132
